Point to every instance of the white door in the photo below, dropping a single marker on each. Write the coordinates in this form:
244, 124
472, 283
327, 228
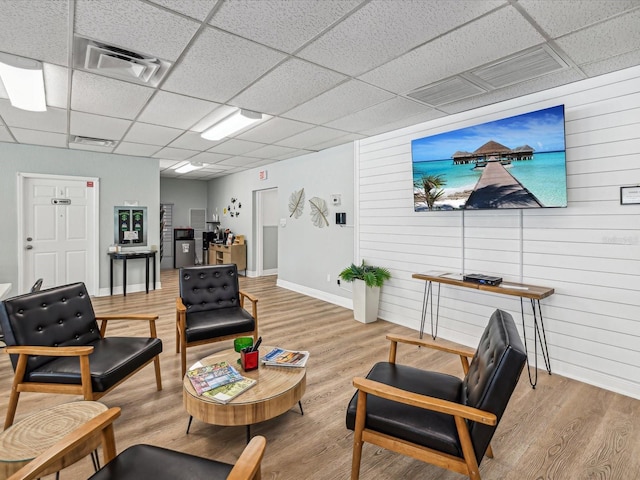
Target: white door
266, 232
59, 231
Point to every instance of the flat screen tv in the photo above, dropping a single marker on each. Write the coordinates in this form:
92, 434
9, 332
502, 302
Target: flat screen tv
515, 162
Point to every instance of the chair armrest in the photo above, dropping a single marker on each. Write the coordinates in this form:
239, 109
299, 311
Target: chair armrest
180, 306
101, 425
249, 462
49, 351
423, 401
148, 317
254, 304
437, 344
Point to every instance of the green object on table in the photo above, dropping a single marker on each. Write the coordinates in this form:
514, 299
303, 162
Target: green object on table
242, 342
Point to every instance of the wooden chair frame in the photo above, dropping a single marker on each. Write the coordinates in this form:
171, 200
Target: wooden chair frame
467, 465
82, 352
100, 430
181, 325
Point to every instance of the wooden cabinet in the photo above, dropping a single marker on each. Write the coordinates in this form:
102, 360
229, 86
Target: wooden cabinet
222, 254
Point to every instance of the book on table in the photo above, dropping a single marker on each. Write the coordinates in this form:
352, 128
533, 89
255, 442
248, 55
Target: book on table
208, 377
281, 357
226, 393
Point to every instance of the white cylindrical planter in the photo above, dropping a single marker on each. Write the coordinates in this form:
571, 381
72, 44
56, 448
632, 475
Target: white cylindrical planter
365, 302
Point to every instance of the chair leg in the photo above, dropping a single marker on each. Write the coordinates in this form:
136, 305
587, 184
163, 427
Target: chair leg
177, 334
183, 360
489, 452
467, 448
12, 407
361, 413
156, 366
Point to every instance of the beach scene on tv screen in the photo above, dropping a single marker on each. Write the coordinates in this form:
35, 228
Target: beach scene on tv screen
515, 162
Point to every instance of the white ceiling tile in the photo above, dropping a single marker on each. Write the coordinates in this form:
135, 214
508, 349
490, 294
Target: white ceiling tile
274, 129
35, 137
191, 141
165, 163
35, 29
5, 136
459, 51
107, 96
311, 137
281, 24
134, 25
236, 147
363, 41
271, 151
198, 9
136, 149
602, 44
213, 68
237, 161
174, 153
173, 110
403, 122
56, 85
342, 100
390, 111
89, 125
209, 158
260, 163
53, 119
337, 141
288, 85
151, 134
612, 64
570, 15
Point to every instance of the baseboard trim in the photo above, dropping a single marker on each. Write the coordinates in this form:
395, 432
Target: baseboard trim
319, 294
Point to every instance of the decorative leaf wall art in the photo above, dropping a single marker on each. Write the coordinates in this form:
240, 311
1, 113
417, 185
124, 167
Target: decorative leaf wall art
296, 203
319, 212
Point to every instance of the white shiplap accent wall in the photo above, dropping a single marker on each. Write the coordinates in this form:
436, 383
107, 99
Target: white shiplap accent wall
589, 252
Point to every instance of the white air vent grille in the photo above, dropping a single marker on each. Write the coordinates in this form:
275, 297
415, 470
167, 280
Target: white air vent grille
520, 68
452, 90
112, 61
96, 142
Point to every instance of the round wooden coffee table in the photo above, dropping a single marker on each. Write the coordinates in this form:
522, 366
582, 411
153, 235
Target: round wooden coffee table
28, 438
277, 390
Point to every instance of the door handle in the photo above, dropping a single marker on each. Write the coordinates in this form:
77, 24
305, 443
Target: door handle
29, 247
29, 239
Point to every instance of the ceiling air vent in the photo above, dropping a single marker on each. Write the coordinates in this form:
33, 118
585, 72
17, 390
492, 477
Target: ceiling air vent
93, 141
451, 90
116, 62
520, 67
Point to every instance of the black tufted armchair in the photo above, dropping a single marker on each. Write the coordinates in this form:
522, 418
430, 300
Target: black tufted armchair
211, 308
56, 346
434, 417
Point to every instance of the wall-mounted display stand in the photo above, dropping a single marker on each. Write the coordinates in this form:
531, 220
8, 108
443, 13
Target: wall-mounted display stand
130, 226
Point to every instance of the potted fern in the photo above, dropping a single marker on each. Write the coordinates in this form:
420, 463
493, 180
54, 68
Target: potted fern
367, 281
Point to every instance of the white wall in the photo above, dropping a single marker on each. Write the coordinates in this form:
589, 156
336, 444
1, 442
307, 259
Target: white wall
184, 195
306, 254
121, 178
589, 252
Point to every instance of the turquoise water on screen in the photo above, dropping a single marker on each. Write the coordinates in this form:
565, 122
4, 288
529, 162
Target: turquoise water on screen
545, 175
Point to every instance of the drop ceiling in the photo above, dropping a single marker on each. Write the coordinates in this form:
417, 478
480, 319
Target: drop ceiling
323, 72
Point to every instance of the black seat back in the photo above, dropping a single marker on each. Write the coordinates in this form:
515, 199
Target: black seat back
493, 375
56, 317
209, 287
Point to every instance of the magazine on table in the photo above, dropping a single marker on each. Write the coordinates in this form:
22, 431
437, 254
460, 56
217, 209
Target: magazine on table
208, 377
226, 393
286, 358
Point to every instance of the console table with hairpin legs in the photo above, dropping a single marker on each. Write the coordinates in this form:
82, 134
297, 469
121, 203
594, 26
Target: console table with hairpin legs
533, 292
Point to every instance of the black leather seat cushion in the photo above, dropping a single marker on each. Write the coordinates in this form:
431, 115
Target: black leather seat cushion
113, 358
146, 461
416, 425
208, 324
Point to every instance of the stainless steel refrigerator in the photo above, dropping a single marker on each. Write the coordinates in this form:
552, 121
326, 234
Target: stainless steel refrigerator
184, 247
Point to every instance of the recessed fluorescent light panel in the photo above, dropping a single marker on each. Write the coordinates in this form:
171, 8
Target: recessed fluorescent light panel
24, 82
189, 167
235, 122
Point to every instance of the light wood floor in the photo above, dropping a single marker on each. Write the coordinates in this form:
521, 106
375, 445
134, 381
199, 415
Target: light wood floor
561, 430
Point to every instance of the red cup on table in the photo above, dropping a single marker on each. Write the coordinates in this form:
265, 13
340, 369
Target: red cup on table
249, 359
